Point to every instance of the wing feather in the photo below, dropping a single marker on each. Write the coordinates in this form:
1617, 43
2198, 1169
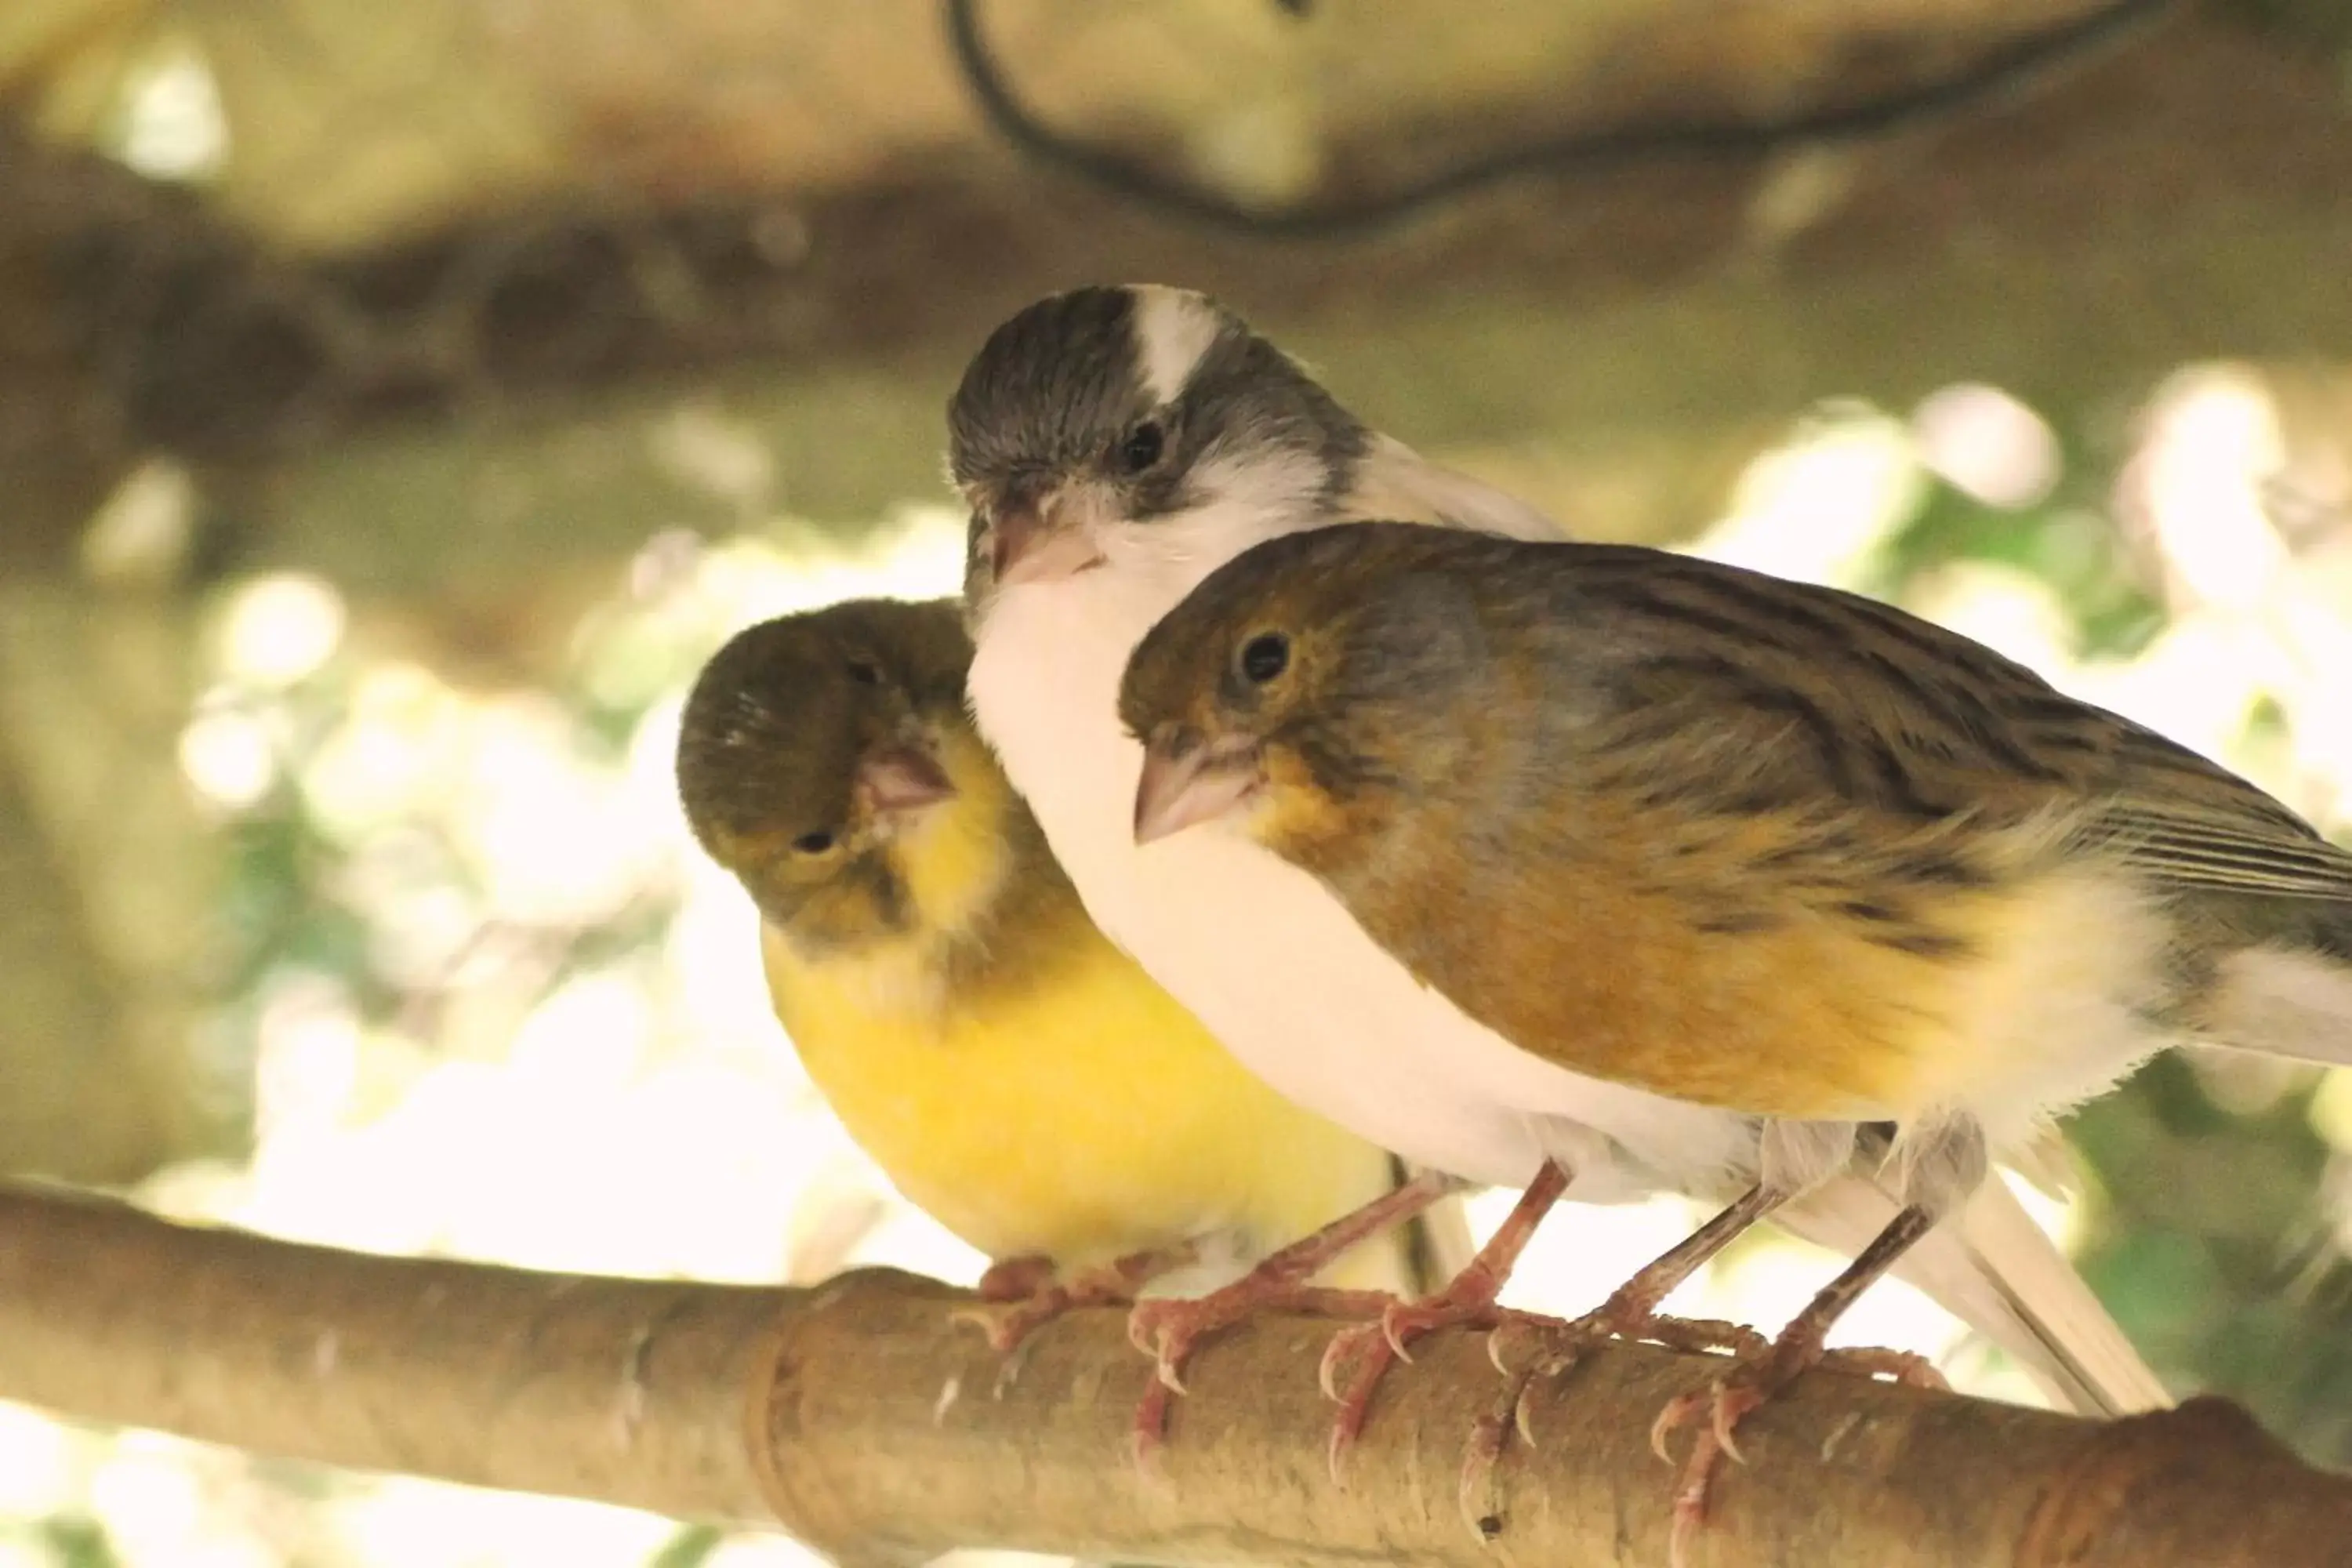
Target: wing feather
1745, 691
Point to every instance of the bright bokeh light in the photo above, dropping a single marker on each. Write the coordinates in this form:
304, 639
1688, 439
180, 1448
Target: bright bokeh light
2215, 440
308, 1068
230, 757
1987, 444
39, 1468
279, 629
403, 1524
528, 802
1821, 505
397, 742
173, 126
762, 1552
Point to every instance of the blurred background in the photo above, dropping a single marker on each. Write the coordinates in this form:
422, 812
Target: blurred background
398, 401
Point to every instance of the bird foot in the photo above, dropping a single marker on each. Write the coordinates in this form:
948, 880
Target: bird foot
1169, 1330
1761, 1377
1014, 1278
1369, 1350
1469, 1301
1021, 1295
1553, 1348
1558, 1348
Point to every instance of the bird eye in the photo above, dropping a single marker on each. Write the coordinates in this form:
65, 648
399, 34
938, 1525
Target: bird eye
815, 843
864, 673
1265, 656
1142, 446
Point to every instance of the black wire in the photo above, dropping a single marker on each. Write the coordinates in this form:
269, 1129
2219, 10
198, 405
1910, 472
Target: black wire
2003, 68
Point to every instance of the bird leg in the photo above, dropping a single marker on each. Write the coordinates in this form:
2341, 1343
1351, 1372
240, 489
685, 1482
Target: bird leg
1468, 1299
1169, 1330
1763, 1376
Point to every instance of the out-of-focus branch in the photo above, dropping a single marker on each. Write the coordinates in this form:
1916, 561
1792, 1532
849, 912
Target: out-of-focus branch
2190, 197
868, 1421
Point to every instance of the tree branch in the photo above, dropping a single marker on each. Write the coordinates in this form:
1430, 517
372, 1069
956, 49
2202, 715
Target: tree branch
875, 1432
626, 1391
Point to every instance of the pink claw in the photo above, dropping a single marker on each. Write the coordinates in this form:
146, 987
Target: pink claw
1677, 1411
1730, 1405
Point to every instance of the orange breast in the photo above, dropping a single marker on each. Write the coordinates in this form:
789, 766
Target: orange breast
1711, 962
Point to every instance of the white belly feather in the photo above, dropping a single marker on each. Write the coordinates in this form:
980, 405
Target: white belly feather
1274, 964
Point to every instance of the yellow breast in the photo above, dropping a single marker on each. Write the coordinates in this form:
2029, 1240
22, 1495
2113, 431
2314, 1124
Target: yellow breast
1071, 1108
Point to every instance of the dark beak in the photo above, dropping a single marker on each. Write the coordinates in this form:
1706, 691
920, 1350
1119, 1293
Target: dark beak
1181, 788
902, 776
1042, 541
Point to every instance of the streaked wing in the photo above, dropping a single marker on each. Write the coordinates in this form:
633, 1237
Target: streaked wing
2208, 852
1758, 693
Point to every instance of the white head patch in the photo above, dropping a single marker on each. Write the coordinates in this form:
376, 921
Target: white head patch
1173, 328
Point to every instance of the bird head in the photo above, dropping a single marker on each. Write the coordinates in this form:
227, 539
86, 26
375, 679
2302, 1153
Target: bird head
1141, 428
1307, 683
814, 750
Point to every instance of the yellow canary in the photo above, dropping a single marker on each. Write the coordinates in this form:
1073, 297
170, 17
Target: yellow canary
1744, 842
1013, 1072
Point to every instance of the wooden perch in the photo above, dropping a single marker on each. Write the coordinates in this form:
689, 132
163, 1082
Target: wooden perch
866, 1420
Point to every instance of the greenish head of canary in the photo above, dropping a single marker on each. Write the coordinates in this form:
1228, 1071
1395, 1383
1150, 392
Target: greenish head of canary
1302, 684
813, 747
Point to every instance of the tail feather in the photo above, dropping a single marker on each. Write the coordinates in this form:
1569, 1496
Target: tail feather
2287, 1003
1994, 1270
2043, 1290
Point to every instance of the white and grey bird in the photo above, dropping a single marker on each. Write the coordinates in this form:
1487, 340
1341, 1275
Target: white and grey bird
1115, 445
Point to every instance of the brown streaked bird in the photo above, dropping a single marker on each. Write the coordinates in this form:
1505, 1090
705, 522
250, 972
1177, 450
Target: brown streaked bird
1116, 444
1744, 842
1014, 1075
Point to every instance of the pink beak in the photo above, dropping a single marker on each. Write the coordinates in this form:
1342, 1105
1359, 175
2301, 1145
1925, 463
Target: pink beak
1040, 544
901, 777
1177, 792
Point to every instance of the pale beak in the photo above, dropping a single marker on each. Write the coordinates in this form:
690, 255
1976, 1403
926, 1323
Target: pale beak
1179, 790
902, 776
1043, 543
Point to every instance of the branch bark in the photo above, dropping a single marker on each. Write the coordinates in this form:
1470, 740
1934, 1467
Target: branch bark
864, 1420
